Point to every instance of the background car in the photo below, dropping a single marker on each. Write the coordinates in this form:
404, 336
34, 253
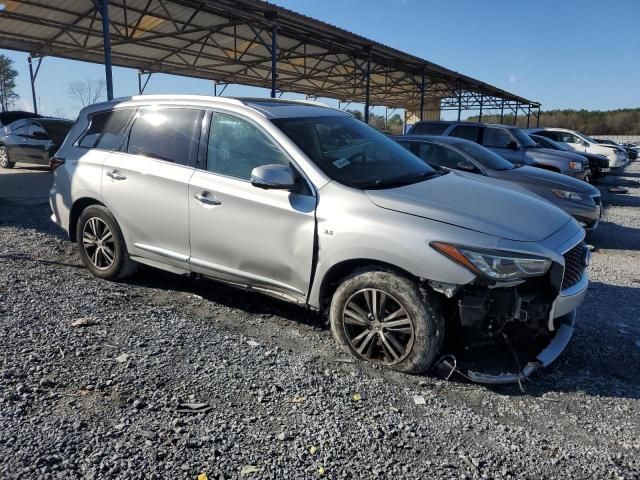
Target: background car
632, 153
598, 164
10, 116
511, 143
577, 198
579, 142
32, 140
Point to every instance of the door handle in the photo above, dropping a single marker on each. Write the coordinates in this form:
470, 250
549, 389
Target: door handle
207, 199
115, 175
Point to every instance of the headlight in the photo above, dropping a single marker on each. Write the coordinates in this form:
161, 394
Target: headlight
495, 264
575, 165
567, 195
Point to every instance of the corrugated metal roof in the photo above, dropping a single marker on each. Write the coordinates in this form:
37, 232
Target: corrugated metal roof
229, 41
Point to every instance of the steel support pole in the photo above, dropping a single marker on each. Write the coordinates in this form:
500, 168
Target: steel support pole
274, 59
422, 97
459, 102
538, 118
33, 85
367, 88
106, 40
501, 111
528, 115
515, 117
139, 83
481, 102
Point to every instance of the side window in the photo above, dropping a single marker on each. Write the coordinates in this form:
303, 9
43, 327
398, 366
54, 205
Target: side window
550, 134
36, 130
429, 128
468, 132
567, 137
19, 127
236, 147
104, 130
439, 155
496, 137
169, 134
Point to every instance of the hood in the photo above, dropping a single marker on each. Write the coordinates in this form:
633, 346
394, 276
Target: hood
542, 177
475, 205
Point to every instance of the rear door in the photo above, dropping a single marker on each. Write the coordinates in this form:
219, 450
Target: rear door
37, 144
241, 233
16, 140
145, 183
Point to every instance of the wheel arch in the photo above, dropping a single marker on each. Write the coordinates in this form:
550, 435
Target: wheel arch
339, 271
76, 210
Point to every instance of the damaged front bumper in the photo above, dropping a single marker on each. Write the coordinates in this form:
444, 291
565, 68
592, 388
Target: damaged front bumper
556, 346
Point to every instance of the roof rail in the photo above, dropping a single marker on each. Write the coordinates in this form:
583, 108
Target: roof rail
229, 100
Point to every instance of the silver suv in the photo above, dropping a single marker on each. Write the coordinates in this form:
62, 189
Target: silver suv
308, 204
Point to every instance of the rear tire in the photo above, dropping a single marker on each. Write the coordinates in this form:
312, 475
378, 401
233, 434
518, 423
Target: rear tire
387, 319
102, 246
5, 162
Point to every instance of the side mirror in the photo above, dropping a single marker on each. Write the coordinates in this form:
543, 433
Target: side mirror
512, 145
585, 143
466, 165
273, 177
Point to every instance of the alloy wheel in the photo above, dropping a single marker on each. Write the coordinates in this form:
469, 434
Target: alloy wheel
98, 243
378, 328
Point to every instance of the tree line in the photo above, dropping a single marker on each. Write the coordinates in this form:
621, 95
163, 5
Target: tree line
624, 121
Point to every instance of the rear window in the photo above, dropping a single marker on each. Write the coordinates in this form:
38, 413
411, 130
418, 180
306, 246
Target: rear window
105, 129
429, 128
56, 130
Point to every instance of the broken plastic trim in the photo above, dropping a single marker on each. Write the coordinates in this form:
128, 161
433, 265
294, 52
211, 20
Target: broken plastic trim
543, 359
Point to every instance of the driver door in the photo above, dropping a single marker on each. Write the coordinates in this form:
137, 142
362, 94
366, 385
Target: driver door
244, 234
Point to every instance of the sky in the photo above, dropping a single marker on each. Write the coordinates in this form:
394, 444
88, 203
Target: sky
562, 53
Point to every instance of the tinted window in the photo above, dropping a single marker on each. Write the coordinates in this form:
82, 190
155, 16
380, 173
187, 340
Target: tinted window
57, 129
549, 134
567, 137
37, 130
104, 130
236, 147
352, 153
21, 126
496, 137
164, 133
438, 155
429, 128
485, 156
468, 132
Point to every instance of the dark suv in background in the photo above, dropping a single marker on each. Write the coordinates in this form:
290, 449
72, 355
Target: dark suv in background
511, 143
31, 140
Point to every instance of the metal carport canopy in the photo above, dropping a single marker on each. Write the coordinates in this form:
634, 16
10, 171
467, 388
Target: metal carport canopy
230, 41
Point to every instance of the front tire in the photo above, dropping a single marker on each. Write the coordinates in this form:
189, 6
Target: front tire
102, 246
5, 162
387, 319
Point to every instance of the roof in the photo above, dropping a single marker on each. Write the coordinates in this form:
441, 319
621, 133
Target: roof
229, 41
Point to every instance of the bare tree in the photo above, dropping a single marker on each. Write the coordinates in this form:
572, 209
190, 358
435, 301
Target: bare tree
8, 75
86, 92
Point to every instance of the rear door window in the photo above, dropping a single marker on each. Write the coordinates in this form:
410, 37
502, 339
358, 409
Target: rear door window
468, 132
36, 130
169, 134
496, 138
105, 129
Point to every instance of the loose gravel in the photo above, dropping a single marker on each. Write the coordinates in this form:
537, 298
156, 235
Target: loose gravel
166, 377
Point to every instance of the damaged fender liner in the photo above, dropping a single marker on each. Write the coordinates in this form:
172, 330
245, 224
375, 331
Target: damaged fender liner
557, 345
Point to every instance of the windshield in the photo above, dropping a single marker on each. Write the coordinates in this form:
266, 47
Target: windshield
485, 156
523, 138
352, 153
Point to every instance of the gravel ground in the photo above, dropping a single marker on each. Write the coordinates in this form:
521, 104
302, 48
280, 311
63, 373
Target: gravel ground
162, 377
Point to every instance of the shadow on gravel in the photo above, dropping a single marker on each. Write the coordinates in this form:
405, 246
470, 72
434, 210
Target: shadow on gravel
31, 216
620, 200
221, 294
612, 236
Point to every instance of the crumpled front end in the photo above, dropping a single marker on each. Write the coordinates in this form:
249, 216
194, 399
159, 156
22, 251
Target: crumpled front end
502, 333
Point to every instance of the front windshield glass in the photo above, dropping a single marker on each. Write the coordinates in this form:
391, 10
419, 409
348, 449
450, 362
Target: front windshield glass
523, 138
485, 156
353, 153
